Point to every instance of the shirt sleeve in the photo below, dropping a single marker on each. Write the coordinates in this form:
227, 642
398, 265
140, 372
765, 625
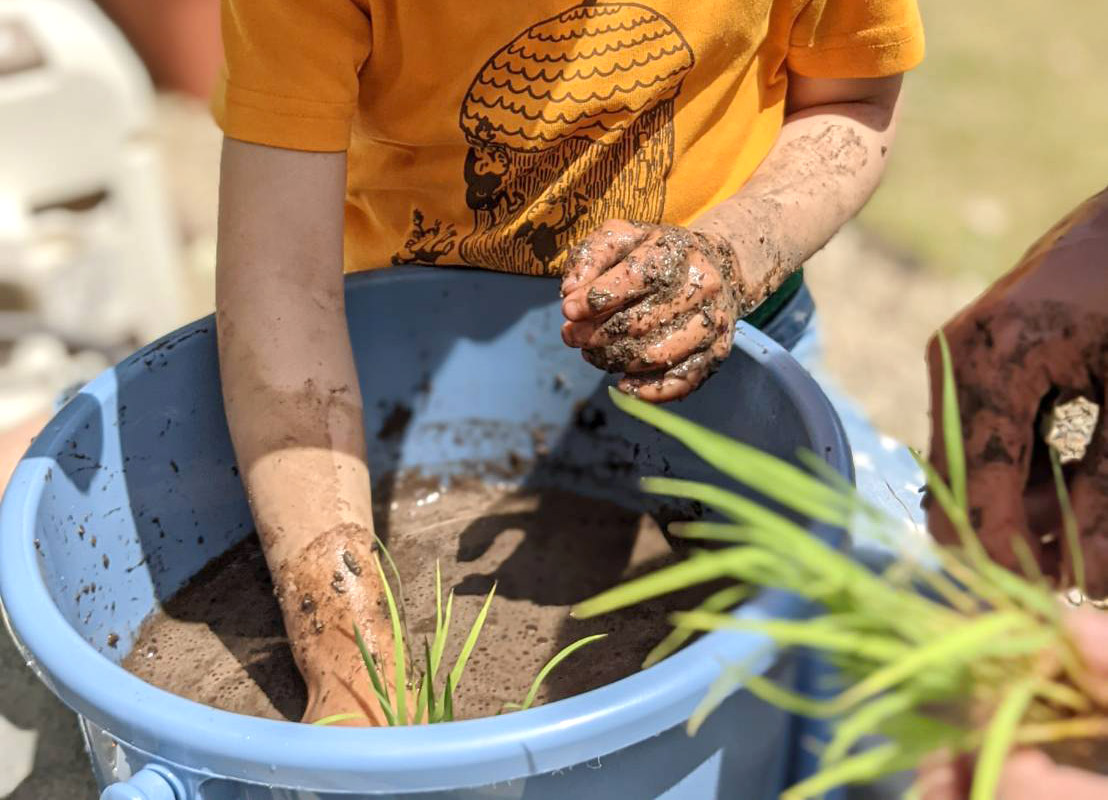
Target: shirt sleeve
290, 77
856, 39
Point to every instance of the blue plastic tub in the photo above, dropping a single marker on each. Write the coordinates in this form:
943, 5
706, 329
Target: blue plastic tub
103, 517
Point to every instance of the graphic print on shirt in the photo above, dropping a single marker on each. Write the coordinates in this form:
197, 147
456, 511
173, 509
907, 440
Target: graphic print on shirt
568, 125
426, 244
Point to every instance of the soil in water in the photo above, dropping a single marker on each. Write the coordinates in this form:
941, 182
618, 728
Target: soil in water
221, 641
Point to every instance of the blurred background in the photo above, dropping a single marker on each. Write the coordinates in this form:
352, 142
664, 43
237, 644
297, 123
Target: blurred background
109, 173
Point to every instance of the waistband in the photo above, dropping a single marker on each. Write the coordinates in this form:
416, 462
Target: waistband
785, 315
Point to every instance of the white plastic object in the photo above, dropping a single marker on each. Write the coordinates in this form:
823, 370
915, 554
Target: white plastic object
86, 236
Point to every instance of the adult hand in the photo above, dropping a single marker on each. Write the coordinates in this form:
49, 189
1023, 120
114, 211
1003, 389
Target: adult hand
1031, 774
1038, 336
657, 303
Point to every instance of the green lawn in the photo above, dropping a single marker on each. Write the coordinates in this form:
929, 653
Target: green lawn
1005, 127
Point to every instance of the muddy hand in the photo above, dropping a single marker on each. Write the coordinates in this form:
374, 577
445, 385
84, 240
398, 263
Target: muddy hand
1038, 336
325, 590
657, 303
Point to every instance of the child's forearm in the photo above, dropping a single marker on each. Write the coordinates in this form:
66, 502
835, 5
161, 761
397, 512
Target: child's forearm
294, 406
825, 165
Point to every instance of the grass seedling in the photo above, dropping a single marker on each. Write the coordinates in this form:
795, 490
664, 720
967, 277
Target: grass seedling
561, 656
978, 664
430, 704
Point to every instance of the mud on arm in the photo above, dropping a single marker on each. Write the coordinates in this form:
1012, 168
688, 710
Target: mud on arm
826, 163
295, 411
659, 303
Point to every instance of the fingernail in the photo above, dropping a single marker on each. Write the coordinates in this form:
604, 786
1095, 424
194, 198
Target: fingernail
573, 309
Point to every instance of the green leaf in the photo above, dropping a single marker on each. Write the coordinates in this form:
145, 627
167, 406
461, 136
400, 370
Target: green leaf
829, 475
438, 596
1024, 593
335, 718
722, 600
429, 682
1031, 569
774, 533
999, 737
730, 678
442, 624
380, 688
1069, 522
776, 479
399, 590
711, 532
867, 766
966, 569
924, 732
963, 602
400, 674
863, 722
952, 431
697, 569
421, 702
1066, 696
788, 700
471, 640
958, 515
561, 656
738, 508
807, 633
448, 700
966, 639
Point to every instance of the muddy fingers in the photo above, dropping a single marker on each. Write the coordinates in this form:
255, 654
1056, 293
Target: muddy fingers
659, 266
599, 251
700, 290
663, 315
680, 380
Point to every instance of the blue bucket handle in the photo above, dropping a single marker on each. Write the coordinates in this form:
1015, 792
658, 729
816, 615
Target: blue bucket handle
152, 782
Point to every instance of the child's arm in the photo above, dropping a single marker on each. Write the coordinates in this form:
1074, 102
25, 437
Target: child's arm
826, 163
295, 410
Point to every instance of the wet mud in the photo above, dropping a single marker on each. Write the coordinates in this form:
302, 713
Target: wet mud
221, 640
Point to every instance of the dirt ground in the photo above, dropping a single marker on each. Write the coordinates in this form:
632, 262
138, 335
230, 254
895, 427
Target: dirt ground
878, 310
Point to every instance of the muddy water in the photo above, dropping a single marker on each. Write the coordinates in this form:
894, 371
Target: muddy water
220, 640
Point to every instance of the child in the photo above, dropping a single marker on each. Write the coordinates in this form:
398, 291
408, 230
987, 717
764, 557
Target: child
676, 163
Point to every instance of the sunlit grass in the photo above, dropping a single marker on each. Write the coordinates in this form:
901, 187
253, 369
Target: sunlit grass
1001, 132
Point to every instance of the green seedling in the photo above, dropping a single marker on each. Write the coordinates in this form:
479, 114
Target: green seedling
431, 705
561, 656
978, 664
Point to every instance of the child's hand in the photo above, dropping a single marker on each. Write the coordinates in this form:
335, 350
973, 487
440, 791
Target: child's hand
656, 302
1039, 334
1030, 774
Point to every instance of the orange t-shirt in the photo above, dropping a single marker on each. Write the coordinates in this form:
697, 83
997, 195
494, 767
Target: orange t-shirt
495, 133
